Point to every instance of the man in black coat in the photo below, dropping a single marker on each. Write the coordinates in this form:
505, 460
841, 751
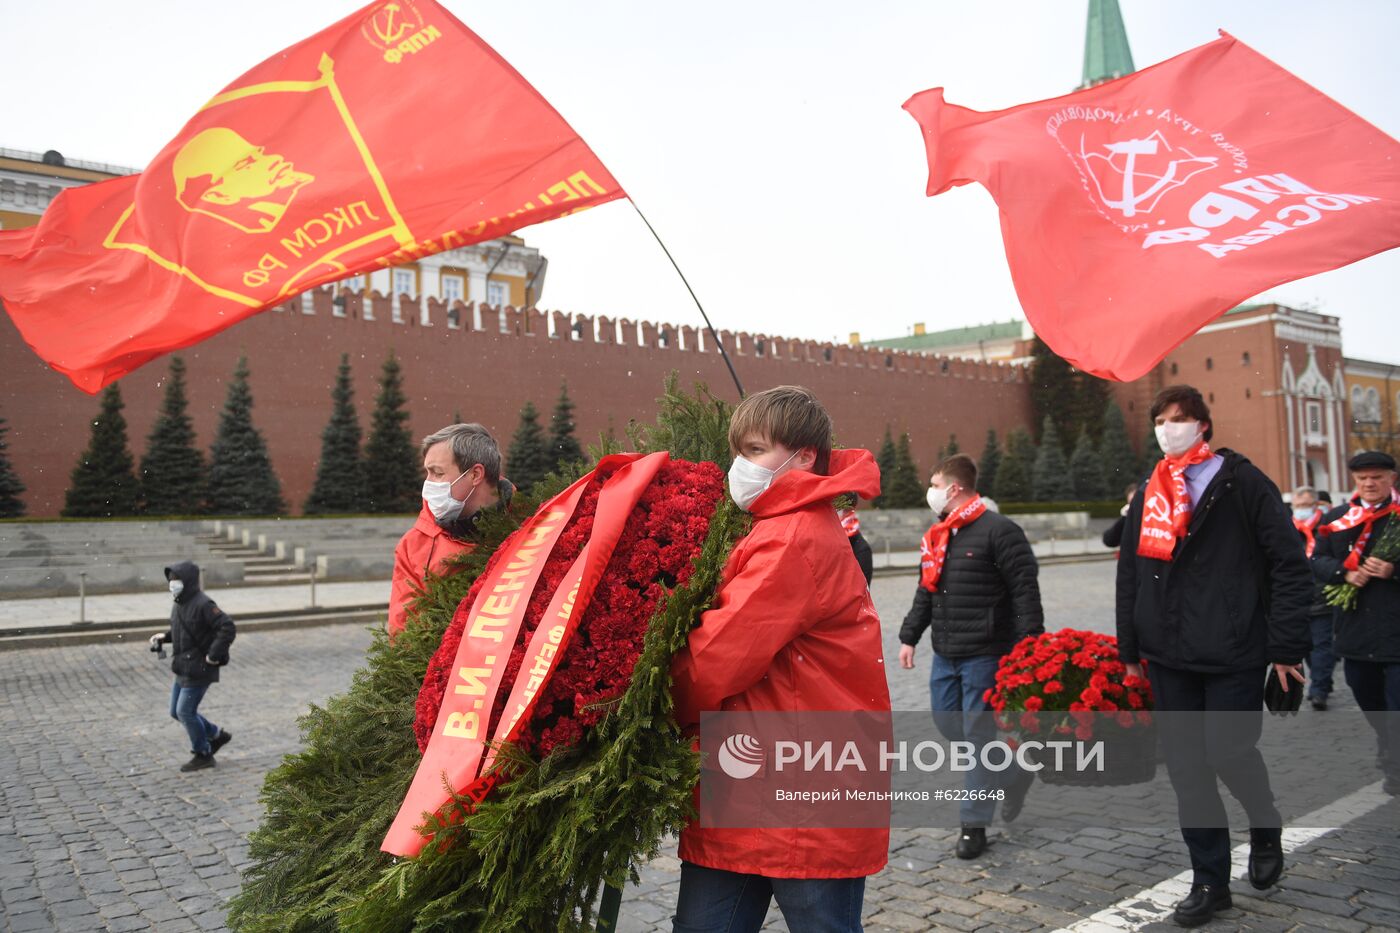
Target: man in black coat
200, 634
1367, 637
979, 593
1213, 587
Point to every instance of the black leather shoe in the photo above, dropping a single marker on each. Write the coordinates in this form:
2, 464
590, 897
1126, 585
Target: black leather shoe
972, 842
1201, 904
198, 763
1016, 795
1318, 701
1265, 857
219, 741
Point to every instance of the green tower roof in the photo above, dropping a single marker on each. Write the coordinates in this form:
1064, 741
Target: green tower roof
1106, 52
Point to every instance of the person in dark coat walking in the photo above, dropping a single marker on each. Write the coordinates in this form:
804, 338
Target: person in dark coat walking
976, 567
1213, 587
1367, 637
1113, 534
1322, 660
200, 634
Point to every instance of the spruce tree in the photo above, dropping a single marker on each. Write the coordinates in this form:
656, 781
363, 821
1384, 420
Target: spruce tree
563, 446
990, 463
1091, 397
1050, 479
104, 481
241, 480
340, 477
172, 471
1014, 474
528, 460
1120, 465
907, 489
11, 505
393, 471
1151, 452
885, 460
1054, 389
952, 448
1086, 470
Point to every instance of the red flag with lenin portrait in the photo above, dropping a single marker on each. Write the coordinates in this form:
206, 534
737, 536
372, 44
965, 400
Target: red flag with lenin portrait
1136, 211
391, 135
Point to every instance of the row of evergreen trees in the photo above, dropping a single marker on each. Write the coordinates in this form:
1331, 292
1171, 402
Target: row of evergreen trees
1024, 471
381, 476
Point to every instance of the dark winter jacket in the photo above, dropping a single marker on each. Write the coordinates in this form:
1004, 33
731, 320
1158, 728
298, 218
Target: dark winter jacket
1236, 593
1113, 534
988, 595
1371, 631
864, 556
199, 630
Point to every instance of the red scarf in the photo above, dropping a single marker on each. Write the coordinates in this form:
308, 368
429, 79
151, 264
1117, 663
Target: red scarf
1166, 512
850, 522
934, 548
1365, 516
1306, 528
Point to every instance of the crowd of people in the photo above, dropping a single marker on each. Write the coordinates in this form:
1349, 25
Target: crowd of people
1219, 590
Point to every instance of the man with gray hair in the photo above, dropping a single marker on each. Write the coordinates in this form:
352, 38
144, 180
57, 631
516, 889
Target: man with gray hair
462, 465
1321, 660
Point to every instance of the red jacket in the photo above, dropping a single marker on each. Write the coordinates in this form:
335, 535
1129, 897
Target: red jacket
423, 547
793, 628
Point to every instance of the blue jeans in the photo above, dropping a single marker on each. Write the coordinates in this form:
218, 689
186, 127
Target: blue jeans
715, 901
956, 687
184, 707
1321, 662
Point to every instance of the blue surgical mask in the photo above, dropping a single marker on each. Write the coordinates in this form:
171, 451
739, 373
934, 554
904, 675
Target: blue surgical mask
176, 588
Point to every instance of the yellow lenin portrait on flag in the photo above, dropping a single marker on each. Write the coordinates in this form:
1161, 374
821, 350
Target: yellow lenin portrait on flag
253, 225
222, 175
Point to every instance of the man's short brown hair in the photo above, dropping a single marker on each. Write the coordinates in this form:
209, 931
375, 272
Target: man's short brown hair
961, 469
787, 415
1189, 398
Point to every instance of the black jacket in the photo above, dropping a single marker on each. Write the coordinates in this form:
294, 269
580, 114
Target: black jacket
199, 630
1113, 534
861, 549
1235, 595
1371, 631
988, 595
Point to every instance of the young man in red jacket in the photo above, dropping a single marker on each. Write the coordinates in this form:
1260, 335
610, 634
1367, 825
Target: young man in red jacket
793, 629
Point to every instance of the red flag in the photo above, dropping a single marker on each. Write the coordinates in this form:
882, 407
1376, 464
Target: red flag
1136, 211
394, 134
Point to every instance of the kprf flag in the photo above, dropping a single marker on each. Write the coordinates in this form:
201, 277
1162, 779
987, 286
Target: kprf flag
1136, 211
391, 135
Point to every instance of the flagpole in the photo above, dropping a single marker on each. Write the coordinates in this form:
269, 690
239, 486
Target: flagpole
708, 326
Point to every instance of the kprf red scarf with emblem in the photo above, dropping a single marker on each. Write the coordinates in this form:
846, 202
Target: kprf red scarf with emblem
1166, 512
1360, 514
934, 548
850, 522
1306, 528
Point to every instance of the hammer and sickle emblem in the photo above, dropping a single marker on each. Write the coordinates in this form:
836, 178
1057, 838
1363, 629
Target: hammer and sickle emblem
387, 25
1158, 509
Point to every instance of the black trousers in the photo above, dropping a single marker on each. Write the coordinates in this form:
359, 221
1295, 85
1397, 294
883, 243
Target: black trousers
1201, 747
1376, 686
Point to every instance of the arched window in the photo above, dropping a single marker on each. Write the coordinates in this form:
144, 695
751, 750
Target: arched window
1210, 363
1244, 359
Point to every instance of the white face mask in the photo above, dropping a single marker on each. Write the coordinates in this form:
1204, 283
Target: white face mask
176, 588
1304, 514
748, 480
440, 502
1177, 437
938, 499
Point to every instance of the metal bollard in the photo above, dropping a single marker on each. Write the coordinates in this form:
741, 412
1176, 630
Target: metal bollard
312, 577
82, 597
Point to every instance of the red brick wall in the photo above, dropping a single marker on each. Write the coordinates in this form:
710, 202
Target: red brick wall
488, 376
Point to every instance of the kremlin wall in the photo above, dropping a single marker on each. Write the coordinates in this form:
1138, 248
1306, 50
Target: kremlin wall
486, 362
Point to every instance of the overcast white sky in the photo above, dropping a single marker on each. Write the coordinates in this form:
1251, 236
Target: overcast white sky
765, 140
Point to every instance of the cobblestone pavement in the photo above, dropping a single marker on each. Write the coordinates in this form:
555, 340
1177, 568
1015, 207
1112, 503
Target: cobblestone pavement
99, 831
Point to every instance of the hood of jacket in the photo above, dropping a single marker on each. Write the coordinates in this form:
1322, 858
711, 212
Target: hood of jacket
187, 572
851, 471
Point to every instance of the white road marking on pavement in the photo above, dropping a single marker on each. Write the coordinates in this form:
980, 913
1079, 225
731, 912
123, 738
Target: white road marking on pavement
1156, 903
